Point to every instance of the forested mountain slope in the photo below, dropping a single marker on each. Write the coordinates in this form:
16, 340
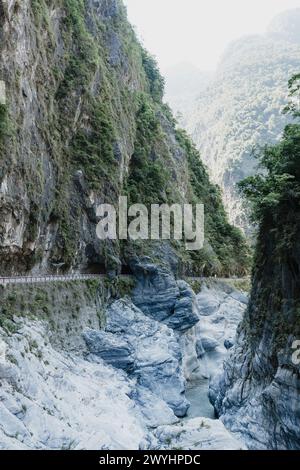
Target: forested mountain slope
84, 123
242, 106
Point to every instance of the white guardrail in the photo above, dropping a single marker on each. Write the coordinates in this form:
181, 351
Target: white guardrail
81, 277
41, 279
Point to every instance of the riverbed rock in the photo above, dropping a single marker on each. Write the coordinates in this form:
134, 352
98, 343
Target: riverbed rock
209, 344
220, 312
228, 343
155, 411
62, 401
221, 309
154, 347
156, 290
197, 434
200, 351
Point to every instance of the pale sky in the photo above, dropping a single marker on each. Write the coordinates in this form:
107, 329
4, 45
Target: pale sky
197, 31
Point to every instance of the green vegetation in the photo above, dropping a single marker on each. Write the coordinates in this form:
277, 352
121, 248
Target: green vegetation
3, 121
120, 286
294, 91
105, 132
92, 149
241, 108
275, 193
155, 79
226, 251
148, 179
274, 197
32, 302
279, 186
94, 287
84, 60
195, 285
230, 253
40, 12
6, 129
243, 285
48, 301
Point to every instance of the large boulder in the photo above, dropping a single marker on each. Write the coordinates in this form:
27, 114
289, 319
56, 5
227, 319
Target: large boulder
185, 314
208, 343
162, 298
111, 348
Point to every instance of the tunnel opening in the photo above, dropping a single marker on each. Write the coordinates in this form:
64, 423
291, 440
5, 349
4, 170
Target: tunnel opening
96, 268
126, 270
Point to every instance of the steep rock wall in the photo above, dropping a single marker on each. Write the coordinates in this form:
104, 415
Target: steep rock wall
259, 390
84, 123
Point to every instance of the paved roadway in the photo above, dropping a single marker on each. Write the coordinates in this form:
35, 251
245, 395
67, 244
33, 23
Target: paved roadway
82, 277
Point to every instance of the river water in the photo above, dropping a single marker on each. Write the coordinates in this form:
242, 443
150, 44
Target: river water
197, 395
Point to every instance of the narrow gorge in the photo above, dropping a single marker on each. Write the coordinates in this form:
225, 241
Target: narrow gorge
234, 111
152, 346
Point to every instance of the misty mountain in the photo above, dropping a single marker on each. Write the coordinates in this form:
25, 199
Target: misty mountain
184, 82
241, 108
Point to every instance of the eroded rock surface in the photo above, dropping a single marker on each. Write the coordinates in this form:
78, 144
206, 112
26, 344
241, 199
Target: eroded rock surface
145, 348
257, 396
53, 399
161, 297
197, 434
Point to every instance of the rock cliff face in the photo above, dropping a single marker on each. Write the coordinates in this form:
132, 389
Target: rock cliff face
82, 365
84, 123
258, 395
241, 107
259, 391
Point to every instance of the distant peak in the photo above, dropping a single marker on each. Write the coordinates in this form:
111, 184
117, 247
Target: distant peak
287, 24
